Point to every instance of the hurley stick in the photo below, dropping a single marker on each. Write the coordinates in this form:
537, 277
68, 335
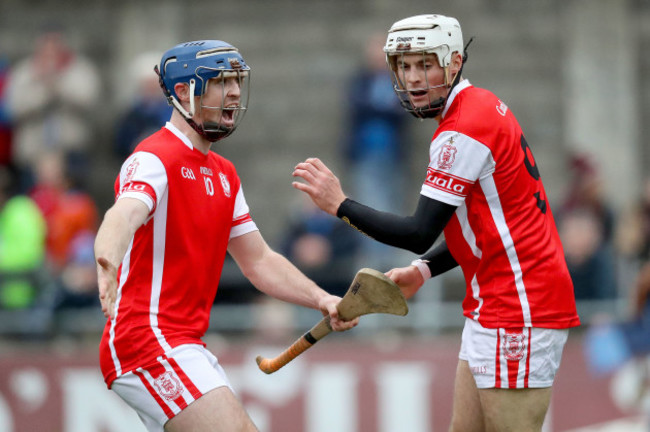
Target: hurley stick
370, 292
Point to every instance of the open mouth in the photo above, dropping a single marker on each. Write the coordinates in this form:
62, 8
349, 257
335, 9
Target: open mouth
228, 116
418, 93
419, 97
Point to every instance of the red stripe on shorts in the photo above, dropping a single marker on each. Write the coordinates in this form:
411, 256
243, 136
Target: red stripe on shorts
168, 412
530, 342
513, 371
497, 373
189, 385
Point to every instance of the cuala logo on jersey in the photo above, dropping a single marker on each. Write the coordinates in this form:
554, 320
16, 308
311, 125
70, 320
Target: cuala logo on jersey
225, 184
447, 183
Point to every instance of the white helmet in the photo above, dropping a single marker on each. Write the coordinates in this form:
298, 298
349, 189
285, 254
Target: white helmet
435, 34
425, 34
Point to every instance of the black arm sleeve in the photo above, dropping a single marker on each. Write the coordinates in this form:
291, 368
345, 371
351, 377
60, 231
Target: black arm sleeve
416, 233
439, 259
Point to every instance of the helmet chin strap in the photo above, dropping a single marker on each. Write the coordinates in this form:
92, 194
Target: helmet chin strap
176, 104
431, 111
213, 132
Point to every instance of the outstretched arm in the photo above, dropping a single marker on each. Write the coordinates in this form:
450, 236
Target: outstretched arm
416, 233
274, 275
113, 238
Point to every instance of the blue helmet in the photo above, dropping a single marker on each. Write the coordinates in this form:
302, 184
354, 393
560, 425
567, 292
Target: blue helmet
194, 63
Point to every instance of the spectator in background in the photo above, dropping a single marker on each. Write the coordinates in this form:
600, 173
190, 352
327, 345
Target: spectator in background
633, 234
50, 96
5, 121
621, 347
590, 261
78, 280
586, 193
374, 143
586, 224
148, 111
321, 246
637, 330
22, 245
70, 213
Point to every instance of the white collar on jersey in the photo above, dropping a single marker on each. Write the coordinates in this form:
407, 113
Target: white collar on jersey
450, 99
180, 135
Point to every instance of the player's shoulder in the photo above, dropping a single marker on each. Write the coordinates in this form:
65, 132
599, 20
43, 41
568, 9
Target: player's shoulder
476, 101
479, 113
155, 142
164, 145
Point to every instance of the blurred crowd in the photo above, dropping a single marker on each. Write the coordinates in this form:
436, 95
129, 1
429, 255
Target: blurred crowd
47, 219
49, 102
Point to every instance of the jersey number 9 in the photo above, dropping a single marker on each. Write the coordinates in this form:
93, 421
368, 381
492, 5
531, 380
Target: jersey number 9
531, 167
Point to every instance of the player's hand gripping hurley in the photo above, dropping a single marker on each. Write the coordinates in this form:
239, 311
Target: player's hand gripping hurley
370, 292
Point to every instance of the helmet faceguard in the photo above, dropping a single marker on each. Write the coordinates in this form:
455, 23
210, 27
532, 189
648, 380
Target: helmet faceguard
197, 64
424, 35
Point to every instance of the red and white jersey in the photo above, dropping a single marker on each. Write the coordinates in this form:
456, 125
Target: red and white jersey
503, 234
168, 279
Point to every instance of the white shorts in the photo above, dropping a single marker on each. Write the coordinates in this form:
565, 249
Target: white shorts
161, 390
512, 358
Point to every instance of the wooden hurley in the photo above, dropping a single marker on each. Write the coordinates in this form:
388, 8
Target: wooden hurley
370, 292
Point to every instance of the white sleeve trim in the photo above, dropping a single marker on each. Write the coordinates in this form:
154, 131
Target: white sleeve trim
141, 196
446, 198
242, 229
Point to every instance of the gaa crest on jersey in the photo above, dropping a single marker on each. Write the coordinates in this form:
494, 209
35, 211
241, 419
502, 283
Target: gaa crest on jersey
514, 345
168, 385
225, 184
447, 155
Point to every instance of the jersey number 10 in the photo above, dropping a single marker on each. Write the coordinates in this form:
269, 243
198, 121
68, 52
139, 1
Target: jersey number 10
209, 187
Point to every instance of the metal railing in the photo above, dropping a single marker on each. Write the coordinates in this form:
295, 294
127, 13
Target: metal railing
430, 317
435, 309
